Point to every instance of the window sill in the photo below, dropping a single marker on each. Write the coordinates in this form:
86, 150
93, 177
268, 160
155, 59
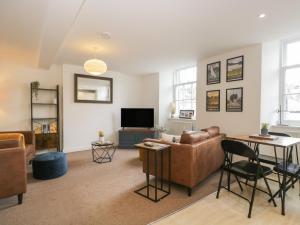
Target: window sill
181, 119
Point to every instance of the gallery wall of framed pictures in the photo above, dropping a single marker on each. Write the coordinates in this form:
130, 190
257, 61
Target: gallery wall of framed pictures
233, 95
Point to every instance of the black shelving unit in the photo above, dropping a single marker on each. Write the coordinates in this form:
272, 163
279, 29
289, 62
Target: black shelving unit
45, 140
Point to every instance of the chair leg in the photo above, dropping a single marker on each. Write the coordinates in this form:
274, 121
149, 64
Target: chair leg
269, 190
189, 190
220, 183
237, 179
252, 198
228, 180
20, 198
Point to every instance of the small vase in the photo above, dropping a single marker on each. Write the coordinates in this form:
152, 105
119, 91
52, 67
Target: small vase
101, 139
264, 131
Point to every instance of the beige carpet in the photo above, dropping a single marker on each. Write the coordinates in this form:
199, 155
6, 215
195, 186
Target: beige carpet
92, 193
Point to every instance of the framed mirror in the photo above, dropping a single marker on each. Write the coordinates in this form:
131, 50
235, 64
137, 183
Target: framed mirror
93, 89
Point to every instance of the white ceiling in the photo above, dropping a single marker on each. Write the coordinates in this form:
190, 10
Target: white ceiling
147, 36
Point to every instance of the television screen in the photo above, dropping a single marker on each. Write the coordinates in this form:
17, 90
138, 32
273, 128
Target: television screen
137, 117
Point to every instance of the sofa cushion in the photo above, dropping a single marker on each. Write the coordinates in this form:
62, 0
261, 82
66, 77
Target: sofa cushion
14, 136
9, 144
193, 137
213, 131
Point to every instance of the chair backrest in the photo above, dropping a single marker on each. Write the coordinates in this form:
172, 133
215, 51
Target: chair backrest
238, 148
279, 134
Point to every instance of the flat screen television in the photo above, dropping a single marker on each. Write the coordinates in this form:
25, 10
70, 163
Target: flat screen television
137, 117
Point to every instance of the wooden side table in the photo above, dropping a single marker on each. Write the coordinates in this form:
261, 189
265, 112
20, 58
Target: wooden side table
156, 149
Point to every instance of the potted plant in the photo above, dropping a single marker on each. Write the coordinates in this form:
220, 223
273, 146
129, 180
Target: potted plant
101, 136
35, 87
264, 129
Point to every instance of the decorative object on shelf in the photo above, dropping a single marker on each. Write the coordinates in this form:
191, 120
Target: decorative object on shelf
213, 101
35, 89
235, 69
92, 89
264, 129
234, 100
95, 66
173, 109
186, 114
101, 136
213, 73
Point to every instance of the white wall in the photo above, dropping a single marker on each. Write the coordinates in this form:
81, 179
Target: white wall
244, 122
150, 94
82, 121
270, 82
15, 93
165, 96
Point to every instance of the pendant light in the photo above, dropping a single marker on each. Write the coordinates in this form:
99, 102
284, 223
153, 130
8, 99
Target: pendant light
95, 66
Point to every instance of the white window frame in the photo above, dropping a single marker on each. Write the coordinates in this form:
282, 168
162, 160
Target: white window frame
182, 84
283, 69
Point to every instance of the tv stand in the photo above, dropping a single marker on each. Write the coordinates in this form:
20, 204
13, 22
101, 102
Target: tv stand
128, 137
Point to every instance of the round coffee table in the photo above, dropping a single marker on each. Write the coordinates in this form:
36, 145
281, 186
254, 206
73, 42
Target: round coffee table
103, 152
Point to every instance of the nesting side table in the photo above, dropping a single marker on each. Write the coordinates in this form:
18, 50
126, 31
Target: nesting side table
103, 152
156, 149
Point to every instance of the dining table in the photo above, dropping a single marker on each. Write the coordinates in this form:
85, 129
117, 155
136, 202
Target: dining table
283, 144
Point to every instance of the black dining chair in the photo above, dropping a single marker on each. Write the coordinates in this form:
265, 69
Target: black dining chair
277, 162
249, 169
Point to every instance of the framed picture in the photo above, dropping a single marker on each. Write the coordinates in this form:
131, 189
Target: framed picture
213, 73
213, 101
186, 114
234, 100
235, 69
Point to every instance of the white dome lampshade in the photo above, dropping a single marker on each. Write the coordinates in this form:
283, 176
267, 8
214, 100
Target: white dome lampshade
95, 66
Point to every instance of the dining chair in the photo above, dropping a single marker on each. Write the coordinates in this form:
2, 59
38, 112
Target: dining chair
249, 169
277, 162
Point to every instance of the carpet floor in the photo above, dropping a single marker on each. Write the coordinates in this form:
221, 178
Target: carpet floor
92, 193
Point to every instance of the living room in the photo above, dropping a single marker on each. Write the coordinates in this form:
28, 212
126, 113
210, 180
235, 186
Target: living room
175, 82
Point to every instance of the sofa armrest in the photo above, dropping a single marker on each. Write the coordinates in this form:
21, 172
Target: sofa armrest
13, 181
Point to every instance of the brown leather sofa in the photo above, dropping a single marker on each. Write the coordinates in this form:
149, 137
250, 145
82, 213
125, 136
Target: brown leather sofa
29, 138
13, 177
198, 155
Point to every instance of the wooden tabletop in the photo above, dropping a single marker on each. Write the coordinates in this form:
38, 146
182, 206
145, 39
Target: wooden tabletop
279, 142
155, 147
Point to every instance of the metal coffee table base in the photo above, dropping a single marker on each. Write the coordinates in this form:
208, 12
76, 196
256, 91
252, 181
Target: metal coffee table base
103, 154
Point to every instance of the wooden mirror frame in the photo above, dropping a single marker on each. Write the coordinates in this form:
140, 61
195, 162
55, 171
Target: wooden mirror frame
76, 76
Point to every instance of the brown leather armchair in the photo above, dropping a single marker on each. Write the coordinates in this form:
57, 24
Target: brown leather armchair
12, 160
29, 138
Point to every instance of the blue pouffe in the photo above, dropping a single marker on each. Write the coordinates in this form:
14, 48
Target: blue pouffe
49, 165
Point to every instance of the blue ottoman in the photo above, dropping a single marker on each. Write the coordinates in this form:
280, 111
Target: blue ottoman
49, 165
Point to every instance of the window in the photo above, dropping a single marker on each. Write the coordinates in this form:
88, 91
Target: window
290, 83
185, 82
